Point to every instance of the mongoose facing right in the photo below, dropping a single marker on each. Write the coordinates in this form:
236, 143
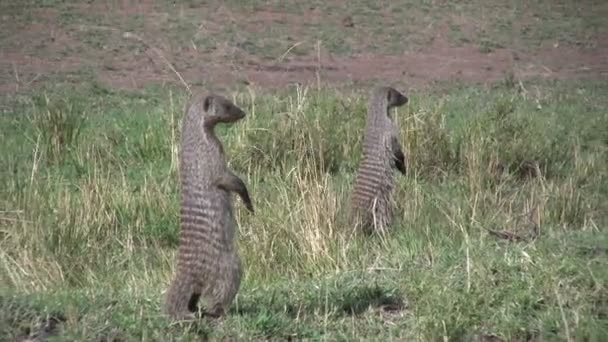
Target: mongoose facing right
371, 199
208, 265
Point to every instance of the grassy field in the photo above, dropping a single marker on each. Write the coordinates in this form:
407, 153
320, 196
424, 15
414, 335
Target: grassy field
89, 225
501, 228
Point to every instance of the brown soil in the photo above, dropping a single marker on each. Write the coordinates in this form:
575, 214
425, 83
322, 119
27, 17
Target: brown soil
44, 52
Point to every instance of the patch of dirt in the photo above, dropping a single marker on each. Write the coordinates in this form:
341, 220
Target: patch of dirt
46, 52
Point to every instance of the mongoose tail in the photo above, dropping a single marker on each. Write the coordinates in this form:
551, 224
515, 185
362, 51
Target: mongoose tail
230, 182
181, 299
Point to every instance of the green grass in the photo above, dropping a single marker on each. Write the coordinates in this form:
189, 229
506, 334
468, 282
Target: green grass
89, 216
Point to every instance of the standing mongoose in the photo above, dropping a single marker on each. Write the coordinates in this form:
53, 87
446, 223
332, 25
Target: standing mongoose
371, 199
208, 265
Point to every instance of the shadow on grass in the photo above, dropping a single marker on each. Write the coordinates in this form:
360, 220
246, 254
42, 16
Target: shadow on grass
341, 299
293, 310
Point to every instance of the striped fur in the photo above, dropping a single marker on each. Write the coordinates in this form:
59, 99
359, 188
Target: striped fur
208, 265
371, 199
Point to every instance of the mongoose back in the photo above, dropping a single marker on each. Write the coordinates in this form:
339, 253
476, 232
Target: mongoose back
371, 207
208, 265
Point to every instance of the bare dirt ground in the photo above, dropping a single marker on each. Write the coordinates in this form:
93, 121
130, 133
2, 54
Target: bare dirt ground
75, 43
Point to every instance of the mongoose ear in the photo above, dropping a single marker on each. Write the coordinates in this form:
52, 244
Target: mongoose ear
207, 103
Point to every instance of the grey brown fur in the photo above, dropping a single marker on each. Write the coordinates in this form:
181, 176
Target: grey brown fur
208, 265
371, 199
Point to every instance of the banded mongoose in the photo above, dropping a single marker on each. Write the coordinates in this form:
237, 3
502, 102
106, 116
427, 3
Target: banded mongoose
208, 265
371, 199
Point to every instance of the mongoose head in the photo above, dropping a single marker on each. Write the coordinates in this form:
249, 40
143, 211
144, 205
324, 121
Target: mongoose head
218, 109
393, 97
383, 99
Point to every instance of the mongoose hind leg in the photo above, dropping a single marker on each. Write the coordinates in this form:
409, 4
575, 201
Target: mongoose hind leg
220, 297
372, 217
360, 222
382, 216
181, 299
